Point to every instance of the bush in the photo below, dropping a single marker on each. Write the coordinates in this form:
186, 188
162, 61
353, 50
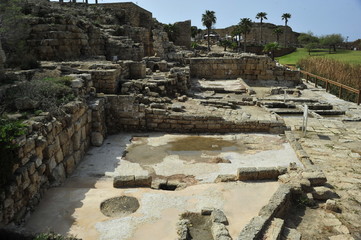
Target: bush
9, 131
24, 62
47, 95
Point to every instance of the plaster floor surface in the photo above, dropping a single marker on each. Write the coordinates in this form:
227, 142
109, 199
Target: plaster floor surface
74, 207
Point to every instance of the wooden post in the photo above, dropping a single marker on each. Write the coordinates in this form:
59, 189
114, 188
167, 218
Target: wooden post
315, 82
359, 98
327, 86
340, 92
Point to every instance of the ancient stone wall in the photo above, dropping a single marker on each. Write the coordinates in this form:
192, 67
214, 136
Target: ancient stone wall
268, 35
49, 152
161, 44
51, 149
126, 113
135, 15
248, 67
183, 37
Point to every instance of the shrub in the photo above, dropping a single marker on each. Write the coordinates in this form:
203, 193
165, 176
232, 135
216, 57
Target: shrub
9, 131
24, 62
47, 95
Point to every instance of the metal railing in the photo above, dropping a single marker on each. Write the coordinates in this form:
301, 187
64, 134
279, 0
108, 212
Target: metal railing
317, 79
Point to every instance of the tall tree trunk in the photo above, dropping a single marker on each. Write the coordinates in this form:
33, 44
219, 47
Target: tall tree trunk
208, 32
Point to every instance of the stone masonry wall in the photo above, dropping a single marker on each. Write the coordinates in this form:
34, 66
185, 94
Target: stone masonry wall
248, 67
49, 153
183, 37
126, 113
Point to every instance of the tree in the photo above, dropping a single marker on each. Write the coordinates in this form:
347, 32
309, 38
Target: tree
208, 19
285, 17
225, 43
271, 48
171, 30
278, 31
261, 16
310, 46
307, 38
331, 41
237, 32
245, 28
195, 31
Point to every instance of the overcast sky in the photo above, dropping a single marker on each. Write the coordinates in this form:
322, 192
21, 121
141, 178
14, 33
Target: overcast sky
319, 16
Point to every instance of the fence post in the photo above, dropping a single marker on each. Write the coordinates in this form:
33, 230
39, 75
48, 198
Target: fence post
316, 82
359, 97
340, 92
327, 86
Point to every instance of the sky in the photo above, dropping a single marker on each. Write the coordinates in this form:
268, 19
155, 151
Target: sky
318, 16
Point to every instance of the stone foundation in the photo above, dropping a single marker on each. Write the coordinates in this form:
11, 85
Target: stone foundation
247, 67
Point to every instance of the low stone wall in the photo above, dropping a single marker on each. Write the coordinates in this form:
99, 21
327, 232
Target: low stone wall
125, 113
49, 153
248, 67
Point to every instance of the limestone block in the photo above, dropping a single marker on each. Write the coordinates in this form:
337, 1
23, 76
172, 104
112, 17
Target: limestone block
225, 178
218, 216
69, 165
142, 181
268, 173
323, 193
58, 174
76, 140
220, 232
124, 181
245, 174
316, 178
97, 139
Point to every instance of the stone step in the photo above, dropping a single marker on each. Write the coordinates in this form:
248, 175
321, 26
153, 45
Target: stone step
290, 234
274, 230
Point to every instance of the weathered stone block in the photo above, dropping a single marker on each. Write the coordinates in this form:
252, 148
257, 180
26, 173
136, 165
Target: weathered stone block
316, 178
324, 193
142, 181
124, 181
245, 174
218, 216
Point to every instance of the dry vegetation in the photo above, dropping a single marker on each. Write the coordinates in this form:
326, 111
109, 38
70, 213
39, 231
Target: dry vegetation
347, 74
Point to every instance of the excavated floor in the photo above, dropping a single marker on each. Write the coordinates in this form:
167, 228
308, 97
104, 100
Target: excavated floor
74, 207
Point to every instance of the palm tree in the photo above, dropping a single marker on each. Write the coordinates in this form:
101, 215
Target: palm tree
261, 16
208, 19
245, 27
271, 48
278, 31
285, 17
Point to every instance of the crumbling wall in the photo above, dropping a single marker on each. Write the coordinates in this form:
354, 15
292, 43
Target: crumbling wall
49, 153
127, 113
51, 149
248, 67
183, 36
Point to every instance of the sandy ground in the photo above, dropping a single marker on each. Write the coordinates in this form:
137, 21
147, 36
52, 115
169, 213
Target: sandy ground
74, 207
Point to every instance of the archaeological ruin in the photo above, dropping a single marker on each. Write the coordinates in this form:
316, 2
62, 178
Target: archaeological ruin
164, 142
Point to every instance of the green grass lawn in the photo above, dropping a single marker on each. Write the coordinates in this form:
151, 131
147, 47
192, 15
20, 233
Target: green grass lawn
347, 56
